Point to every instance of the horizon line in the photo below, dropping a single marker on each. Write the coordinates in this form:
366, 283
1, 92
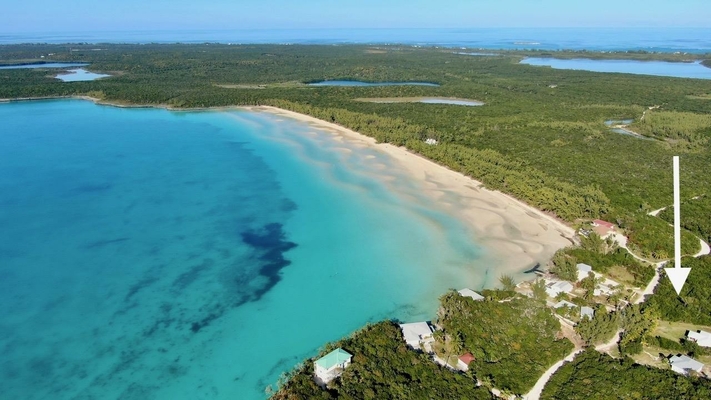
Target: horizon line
357, 28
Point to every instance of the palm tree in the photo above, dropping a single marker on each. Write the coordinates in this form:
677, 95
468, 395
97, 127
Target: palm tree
507, 282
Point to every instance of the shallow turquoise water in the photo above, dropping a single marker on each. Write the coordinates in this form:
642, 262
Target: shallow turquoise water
148, 254
658, 68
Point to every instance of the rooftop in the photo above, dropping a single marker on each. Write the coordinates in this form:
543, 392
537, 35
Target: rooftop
470, 293
416, 331
584, 267
685, 363
467, 358
564, 303
599, 222
336, 357
587, 311
703, 338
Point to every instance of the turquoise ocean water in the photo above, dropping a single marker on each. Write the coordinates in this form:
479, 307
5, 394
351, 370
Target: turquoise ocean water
148, 254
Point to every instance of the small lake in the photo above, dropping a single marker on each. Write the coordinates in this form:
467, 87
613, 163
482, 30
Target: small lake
623, 131
80, 75
657, 68
455, 102
620, 126
425, 100
45, 65
478, 54
361, 83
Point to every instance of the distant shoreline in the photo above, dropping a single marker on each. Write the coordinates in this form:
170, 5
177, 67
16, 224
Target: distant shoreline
519, 235
608, 39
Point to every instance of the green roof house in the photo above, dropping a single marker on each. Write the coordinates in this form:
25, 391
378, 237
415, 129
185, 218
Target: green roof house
331, 366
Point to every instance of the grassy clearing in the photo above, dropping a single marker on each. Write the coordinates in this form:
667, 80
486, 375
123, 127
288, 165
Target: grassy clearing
677, 330
620, 274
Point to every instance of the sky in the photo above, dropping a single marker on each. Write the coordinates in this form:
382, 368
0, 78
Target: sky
118, 15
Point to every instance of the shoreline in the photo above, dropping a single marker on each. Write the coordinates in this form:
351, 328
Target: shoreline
519, 235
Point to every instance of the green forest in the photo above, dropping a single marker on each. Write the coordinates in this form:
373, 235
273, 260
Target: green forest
513, 341
693, 304
695, 216
540, 136
596, 376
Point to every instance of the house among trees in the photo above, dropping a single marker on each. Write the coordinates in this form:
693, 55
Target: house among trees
603, 228
684, 364
431, 142
702, 338
553, 288
587, 312
331, 366
464, 361
583, 271
470, 293
564, 303
418, 335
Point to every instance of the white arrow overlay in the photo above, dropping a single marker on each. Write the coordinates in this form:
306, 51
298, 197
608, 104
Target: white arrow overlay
677, 275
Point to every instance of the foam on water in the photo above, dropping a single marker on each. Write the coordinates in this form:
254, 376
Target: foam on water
166, 255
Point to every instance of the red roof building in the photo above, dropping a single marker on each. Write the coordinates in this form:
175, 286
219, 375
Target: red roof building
465, 360
603, 228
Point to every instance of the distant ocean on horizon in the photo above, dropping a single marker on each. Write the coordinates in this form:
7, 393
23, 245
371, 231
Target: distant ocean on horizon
691, 40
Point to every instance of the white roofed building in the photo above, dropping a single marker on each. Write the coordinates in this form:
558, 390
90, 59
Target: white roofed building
564, 303
331, 366
587, 312
418, 335
702, 338
684, 364
583, 271
555, 287
470, 293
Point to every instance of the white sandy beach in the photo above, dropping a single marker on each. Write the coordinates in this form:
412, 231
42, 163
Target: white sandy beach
519, 235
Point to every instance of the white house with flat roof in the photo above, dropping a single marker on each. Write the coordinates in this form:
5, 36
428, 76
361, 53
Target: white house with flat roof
555, 287
331, 366
702, 338
418, 335
684, 364
564, 303
587, 312
583, 271
470, 293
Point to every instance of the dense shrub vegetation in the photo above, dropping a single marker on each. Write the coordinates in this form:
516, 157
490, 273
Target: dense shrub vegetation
695, 216
693, 305
514, 341
595, 376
